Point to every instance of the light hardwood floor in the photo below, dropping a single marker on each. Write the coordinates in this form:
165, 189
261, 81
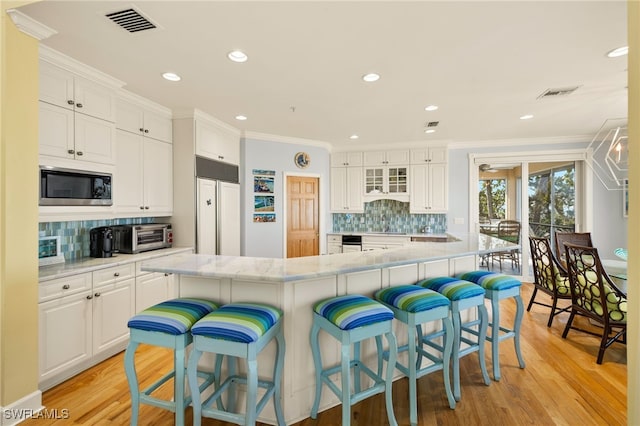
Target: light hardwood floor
561, 385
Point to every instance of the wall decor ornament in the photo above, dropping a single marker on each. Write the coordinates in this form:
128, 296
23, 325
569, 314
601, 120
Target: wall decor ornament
302, 160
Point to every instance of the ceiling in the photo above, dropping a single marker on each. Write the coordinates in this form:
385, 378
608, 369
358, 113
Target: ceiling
484, 64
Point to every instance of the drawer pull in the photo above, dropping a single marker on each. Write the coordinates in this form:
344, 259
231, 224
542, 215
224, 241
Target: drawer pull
66, 287
166, 274
97, 295
89, 297
117, 274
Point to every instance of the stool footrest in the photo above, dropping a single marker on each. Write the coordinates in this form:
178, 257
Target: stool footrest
146, 398
507, 334
227, 416
378, 387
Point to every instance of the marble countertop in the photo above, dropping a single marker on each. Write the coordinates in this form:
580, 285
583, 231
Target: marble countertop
90, 264
270, 269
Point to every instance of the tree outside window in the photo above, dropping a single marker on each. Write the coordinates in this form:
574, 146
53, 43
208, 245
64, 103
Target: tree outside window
492, 197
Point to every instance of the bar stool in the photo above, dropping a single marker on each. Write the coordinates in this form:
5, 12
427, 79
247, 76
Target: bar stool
463, 295
414, 305
239, 330
166, 324
351, 319
499, 287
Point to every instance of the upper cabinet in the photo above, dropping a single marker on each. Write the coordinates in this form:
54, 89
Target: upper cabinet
346, 159
216, 140
143, 118
73, 92
386, 158
437, 154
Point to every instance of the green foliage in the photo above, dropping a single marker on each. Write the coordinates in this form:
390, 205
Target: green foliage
493, 196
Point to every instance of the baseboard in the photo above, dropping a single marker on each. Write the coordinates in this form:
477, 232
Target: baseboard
22, 409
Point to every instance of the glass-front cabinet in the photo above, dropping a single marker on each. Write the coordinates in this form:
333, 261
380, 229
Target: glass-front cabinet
380, 182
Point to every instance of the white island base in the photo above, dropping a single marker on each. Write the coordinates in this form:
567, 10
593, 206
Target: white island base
295, 285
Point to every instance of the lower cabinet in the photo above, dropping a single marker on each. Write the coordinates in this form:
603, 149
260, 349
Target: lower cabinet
83, 318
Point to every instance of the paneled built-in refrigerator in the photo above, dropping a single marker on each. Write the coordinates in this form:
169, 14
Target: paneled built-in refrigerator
217, 213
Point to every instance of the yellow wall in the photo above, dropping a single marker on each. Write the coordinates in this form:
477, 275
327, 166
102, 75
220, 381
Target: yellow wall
18, 211
633, 362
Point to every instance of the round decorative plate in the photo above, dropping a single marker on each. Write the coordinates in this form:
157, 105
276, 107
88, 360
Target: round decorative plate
302, 160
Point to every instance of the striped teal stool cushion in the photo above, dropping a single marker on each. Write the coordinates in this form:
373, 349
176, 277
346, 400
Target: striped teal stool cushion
411, 298
352, 311
174, 316
491, 280
453, 288
238, 322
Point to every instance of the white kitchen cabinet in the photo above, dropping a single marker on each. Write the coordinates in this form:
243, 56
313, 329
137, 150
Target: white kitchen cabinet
65, 134
143, 183
346, 190
153, 288
143, 118
334, 244
429, 188
66, 326
380, 242
346, 159
434, 154
386, 182
386, 158
113, 306
75, 93
215, 141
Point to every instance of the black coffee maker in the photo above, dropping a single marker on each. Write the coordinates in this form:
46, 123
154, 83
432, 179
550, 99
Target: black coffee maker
101, 239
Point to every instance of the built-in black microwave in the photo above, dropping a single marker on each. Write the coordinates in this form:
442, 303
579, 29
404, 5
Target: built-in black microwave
67, 187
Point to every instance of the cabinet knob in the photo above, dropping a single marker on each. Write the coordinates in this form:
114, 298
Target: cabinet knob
79, 153
89, 297
141, 129
70, 102
97, 294
221, 157
146, 130
146, 207
70, 151
166, 274
66, 287
141, 207
79, 105
117, 274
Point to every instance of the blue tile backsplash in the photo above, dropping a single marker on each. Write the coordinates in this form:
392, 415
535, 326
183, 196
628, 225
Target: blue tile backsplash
389, 215
74, 241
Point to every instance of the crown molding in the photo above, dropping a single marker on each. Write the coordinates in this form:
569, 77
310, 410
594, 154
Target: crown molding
30, 26
286, 139
552, 140
68, 63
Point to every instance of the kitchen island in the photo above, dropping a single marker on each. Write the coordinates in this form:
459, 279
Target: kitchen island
295, 285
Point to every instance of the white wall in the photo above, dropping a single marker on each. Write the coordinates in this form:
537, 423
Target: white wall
609, 228
267, 239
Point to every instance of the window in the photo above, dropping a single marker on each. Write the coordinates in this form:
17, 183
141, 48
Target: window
493, 198
552, 200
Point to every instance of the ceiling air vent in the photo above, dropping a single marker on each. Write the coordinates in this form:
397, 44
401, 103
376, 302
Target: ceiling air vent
131, 20
432, 124
558, 92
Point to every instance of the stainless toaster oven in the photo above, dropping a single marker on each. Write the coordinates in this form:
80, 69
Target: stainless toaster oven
139, 238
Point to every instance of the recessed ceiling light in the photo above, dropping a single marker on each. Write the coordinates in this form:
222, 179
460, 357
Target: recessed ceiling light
354, 137
431, 108
430, 131
620, 51
526, 117
171, 76
241, 117
237, 56
371, 77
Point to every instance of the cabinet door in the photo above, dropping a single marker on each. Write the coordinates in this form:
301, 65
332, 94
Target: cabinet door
129, 117
65, 326
152, 289
438, 154
158, 127
339, 189
94, 139
374, 158
94, 99
215, 143
397, 180
158, 177
374, 180
113, 306
351, 159
400, 157
438, 187
55, 134
128, 183
419, 197
355, 203
56, 86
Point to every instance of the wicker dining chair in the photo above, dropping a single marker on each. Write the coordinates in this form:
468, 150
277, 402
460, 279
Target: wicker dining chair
549, 277
508, 230
596, 297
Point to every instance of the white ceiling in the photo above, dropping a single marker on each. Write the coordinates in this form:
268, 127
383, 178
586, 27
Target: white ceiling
483, 63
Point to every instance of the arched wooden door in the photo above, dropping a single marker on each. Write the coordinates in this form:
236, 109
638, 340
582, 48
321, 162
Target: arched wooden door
303, 210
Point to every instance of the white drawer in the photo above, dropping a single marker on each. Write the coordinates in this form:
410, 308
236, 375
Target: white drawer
334, 238
67, 286
113, 274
